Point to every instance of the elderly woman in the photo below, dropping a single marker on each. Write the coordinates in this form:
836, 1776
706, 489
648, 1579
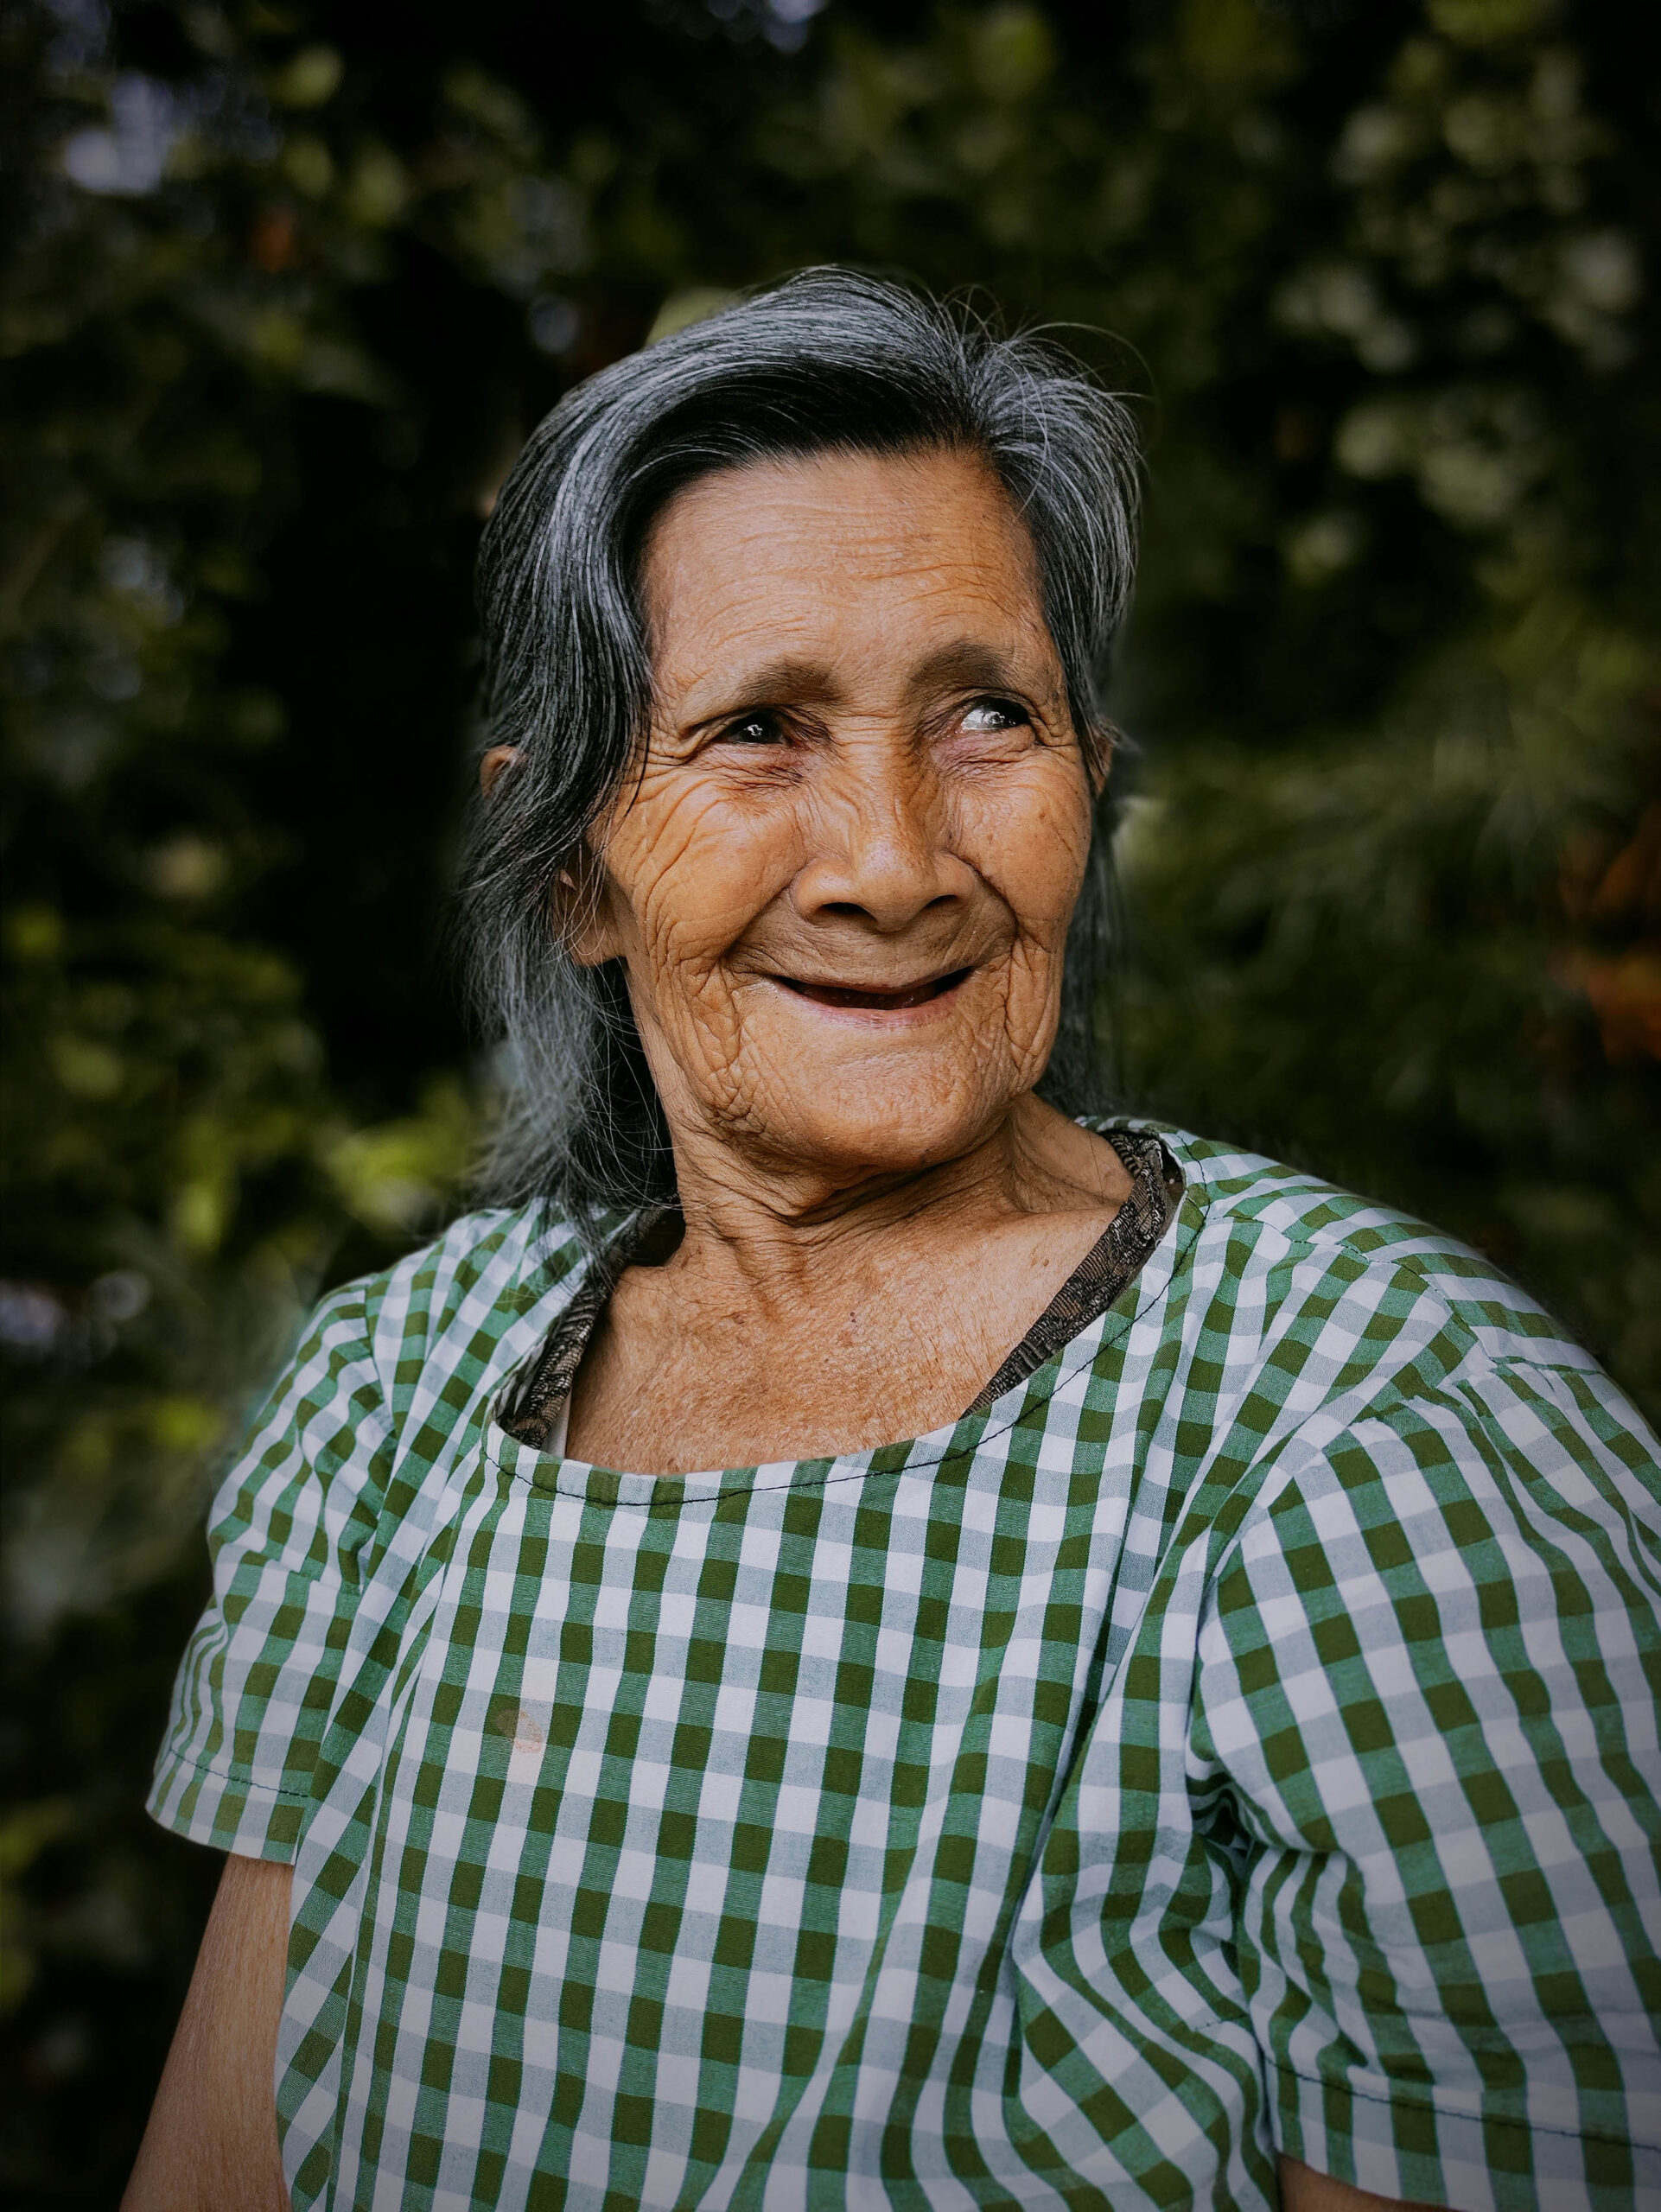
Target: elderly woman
858, 1641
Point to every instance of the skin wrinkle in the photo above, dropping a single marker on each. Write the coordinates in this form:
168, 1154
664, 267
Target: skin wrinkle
711, 688
704, 697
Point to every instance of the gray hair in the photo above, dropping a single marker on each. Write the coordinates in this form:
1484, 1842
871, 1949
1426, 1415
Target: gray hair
827, 361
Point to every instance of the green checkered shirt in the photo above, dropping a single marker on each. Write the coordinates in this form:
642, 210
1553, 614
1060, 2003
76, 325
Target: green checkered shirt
1242, 1738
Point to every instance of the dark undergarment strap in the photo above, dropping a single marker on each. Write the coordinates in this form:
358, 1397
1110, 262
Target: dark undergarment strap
1112, 1262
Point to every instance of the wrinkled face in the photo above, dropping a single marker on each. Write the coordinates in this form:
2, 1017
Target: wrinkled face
842, 881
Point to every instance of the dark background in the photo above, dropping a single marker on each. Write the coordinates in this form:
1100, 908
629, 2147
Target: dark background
284, 287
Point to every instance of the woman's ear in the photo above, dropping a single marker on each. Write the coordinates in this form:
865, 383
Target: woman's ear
1103, 745
491, 764
580, 907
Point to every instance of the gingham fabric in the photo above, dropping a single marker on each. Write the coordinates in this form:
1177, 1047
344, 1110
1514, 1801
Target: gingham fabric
1241, 1738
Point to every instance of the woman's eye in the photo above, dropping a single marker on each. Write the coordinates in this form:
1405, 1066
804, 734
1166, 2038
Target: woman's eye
753, 729
992, 715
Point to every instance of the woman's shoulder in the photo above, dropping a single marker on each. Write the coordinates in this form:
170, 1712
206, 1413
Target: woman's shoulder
1292, 1307
470, 1302
1261, 1222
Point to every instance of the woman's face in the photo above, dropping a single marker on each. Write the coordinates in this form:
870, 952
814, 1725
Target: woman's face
842, 881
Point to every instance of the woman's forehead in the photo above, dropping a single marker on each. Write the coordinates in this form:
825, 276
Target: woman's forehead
807, 561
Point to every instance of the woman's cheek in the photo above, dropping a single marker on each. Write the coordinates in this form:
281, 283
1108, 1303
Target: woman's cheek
699, 877
1030, 846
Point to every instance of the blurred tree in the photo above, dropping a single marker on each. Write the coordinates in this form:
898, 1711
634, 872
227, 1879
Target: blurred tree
284, 287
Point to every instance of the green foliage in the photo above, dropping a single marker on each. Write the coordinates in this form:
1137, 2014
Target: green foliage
1364, 939
285, 289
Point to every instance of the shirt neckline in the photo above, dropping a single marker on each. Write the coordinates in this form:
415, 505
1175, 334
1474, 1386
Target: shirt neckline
1067, 1336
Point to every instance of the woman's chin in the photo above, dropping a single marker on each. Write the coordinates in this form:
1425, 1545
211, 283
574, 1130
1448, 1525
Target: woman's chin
874, 1118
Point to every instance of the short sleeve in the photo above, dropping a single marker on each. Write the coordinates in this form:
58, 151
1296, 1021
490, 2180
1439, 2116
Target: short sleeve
287, 1532
1428, 1685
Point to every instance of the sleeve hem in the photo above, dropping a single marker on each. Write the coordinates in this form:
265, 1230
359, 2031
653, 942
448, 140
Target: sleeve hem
1414, 2148
215, 1805
231, 1775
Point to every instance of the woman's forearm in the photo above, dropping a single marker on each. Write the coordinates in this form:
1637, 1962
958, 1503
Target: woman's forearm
1303, 2189
211, 2145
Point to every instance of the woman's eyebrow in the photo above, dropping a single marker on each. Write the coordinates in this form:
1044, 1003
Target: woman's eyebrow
967, 665
786, 680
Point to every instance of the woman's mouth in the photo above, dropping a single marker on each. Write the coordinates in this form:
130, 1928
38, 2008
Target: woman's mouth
868, 999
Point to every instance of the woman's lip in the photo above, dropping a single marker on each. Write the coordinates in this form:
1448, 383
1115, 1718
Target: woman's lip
861, 998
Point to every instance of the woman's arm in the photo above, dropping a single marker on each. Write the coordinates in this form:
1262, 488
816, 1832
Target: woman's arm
1303, 2190
211, 2145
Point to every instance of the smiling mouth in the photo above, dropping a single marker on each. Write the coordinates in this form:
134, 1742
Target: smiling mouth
876, 1001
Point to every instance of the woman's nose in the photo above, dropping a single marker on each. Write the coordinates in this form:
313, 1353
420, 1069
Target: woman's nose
880, 828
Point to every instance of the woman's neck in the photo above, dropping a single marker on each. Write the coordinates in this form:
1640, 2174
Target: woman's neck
775, 1229
796, 1320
